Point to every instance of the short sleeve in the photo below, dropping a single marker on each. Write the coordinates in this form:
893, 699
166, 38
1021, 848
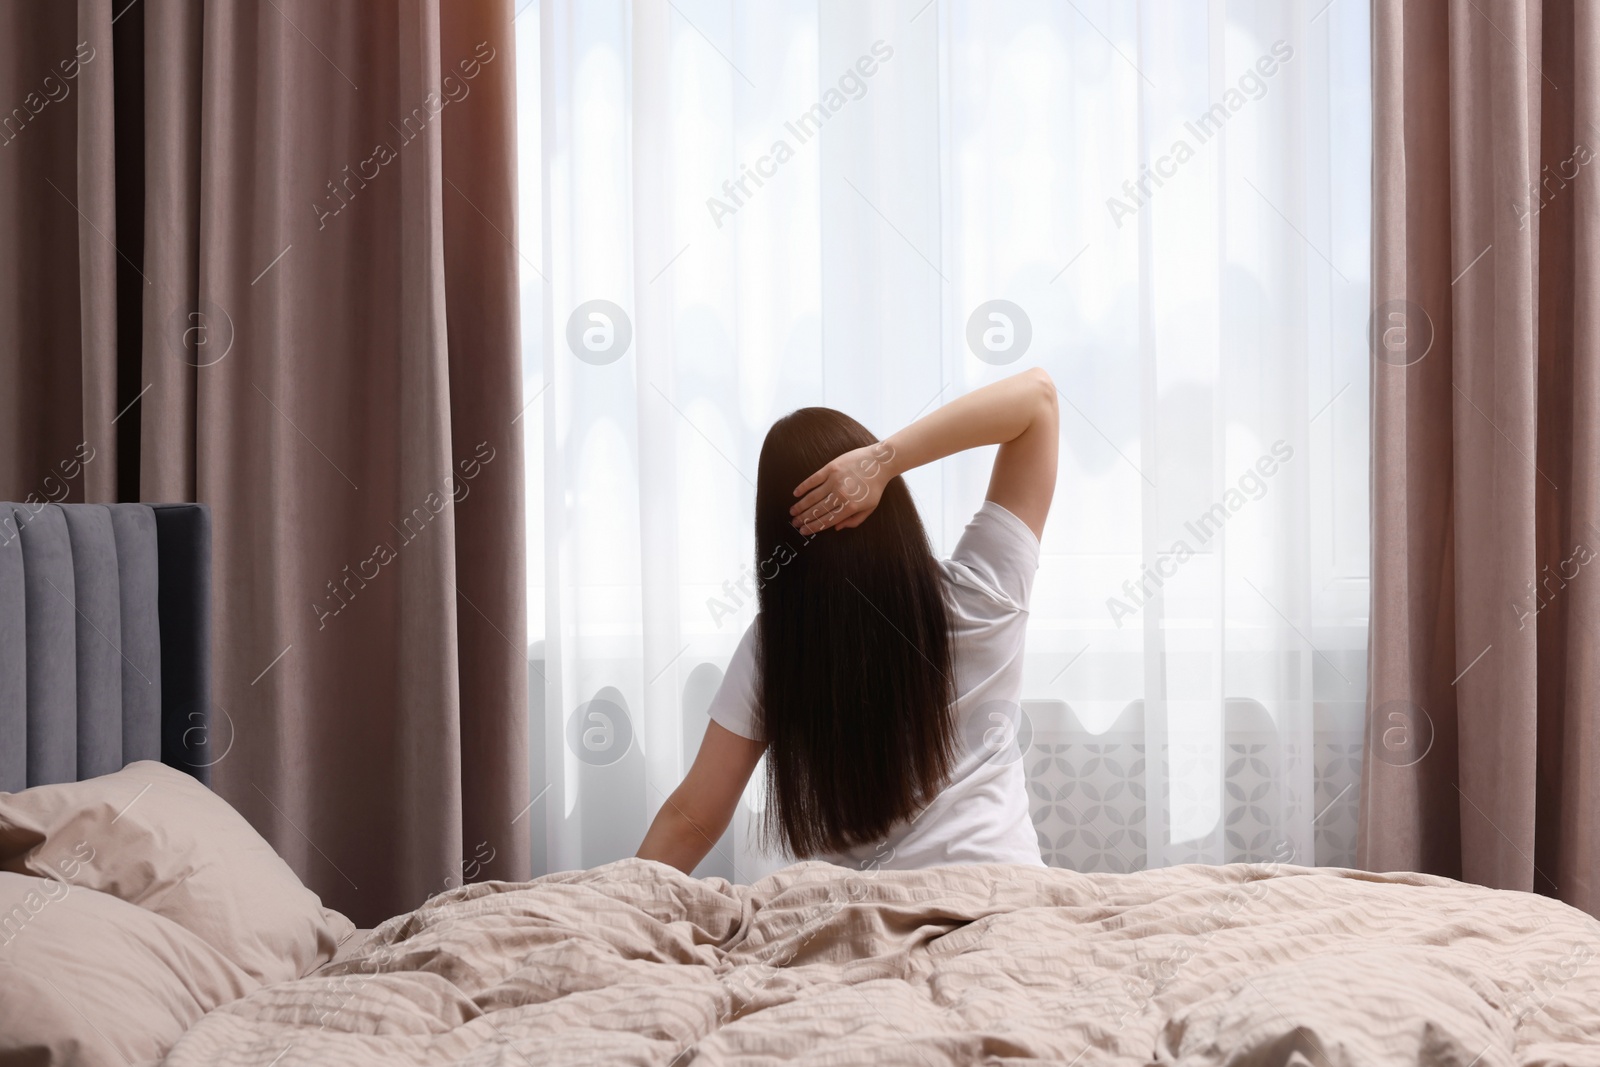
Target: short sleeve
1000, 550
734, 705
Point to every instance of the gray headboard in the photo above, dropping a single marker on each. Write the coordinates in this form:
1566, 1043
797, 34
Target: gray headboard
105, 634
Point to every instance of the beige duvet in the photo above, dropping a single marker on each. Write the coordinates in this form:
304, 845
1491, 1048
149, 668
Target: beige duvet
633, 963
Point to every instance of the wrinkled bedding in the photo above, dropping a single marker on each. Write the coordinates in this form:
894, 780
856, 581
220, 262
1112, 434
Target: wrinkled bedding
634, 963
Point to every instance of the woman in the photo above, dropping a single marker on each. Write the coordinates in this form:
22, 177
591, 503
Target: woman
883, 684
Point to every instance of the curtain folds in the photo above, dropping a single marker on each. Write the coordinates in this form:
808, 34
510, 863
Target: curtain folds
278, 274
1484, 709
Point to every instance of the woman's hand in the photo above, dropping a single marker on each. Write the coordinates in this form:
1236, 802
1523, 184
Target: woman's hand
843, 493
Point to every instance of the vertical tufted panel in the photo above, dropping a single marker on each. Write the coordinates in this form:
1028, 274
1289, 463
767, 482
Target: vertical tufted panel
138, 578
105, 631
97, 604
13, 659
51, 656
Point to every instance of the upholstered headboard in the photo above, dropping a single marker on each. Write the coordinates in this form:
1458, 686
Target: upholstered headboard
105, 619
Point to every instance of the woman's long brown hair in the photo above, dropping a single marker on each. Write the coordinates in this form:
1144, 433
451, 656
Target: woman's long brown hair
854, 653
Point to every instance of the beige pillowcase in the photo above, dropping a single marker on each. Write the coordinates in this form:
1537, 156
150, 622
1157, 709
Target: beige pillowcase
89, 981
156, 837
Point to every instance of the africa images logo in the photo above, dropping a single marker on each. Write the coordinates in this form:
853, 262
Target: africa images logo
599, 332
851, 85
1251, 85
999, 332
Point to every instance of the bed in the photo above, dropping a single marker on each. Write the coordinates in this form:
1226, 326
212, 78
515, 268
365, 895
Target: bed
633, 963
147, 922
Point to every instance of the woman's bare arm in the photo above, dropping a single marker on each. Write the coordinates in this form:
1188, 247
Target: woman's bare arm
699, 810
1018, 413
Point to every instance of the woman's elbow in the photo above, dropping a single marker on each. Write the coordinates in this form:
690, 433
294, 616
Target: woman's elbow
1044, 391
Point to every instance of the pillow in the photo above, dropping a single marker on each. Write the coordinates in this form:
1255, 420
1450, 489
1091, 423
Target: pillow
156, 837
87, 980
1399, 1006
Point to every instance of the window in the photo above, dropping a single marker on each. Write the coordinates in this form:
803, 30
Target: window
728, 213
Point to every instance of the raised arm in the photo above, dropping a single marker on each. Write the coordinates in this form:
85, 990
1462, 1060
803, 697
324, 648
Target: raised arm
1018, 413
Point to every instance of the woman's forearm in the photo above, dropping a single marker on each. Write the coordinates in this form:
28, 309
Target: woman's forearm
674, 840
1018, 413
993, 415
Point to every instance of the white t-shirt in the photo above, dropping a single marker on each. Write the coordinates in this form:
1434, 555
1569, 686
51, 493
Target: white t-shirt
981, 816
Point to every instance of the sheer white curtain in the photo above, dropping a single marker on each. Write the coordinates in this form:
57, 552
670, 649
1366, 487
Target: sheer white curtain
730, 211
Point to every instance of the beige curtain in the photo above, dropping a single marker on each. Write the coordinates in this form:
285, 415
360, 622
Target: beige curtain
261, 253
1484, 703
